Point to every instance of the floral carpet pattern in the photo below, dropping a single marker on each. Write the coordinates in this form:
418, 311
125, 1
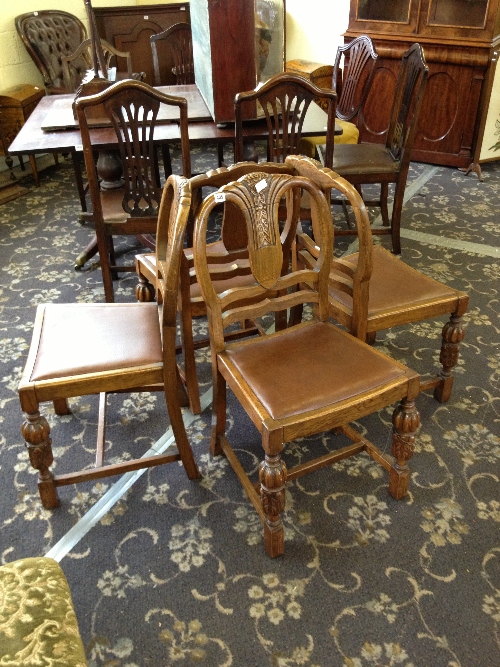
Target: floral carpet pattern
175, 573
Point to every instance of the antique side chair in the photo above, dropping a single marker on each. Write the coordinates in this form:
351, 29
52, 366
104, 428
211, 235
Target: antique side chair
78, 63
387, 163
304, 379
372, 290
132, 109
228, 265
176, 41
99, 348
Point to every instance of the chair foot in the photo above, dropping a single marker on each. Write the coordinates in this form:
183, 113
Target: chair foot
36, 433
371, 337
215, 444
405, 420
272, 476
442, 392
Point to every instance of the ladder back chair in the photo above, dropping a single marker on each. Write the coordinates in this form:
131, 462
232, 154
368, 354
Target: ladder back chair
177, 42
387, 163
372, 290
284, 100
98, 348
132, 108
228, 266
302, 380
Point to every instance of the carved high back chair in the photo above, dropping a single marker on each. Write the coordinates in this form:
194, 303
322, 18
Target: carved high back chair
132, 109
177, 43
228, 266
302, 380
284, 100
372, 290
354, 67
50, 35
388, 163
96, 348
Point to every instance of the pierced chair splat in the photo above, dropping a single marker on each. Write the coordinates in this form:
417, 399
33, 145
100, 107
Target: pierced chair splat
98, 348
306, 378
132, 108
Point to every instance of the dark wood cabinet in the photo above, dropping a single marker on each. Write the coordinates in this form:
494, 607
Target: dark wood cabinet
129, 29
458, 38
236, 45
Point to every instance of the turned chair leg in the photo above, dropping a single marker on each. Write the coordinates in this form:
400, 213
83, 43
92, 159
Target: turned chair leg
452, 335
36, 433
144, 290
405, 420
272, 476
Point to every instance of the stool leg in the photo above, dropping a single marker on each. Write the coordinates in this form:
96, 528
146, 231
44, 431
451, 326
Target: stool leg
405, 420
36, 433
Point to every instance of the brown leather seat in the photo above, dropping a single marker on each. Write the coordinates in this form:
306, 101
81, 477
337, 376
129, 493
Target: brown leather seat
304, 379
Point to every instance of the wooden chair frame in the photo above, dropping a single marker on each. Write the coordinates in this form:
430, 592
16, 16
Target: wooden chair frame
353, 278
178, 37
237, 363
132, 107
159, 375
82, 53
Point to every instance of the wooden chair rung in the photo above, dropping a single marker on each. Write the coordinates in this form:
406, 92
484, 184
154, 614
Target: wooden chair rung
248, 486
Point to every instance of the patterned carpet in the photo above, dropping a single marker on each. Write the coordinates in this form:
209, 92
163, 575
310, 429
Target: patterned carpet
165, 571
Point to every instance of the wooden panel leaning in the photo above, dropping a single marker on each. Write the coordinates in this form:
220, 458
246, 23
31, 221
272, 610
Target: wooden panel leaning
307, 378
98, 348
372, 290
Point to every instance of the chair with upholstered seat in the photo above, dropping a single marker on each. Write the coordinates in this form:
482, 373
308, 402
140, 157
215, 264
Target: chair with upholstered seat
98, 348
387, 163
228, 264
132, 109
38, 625
284, 101
354, 66
372, 290
307, 378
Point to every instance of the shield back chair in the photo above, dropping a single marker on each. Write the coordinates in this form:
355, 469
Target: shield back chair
98, 348
177, 42
372, 290
387, 163
284, 100
228, 265
354, 68
132, 108
306, 378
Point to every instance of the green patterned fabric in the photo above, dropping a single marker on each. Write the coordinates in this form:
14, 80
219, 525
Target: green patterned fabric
38, 626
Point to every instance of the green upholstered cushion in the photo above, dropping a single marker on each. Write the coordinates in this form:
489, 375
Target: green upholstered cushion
38, 626
350, 134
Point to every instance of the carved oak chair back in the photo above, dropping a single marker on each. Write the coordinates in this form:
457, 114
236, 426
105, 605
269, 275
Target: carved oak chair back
306, 378
229, 267
79, 349
284, 100
371, 290
49, 36
378, 163
132, 108
177, 42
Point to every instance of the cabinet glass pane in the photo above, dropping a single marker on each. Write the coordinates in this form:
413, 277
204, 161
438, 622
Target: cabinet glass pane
269, 38
464, 13
396, 11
